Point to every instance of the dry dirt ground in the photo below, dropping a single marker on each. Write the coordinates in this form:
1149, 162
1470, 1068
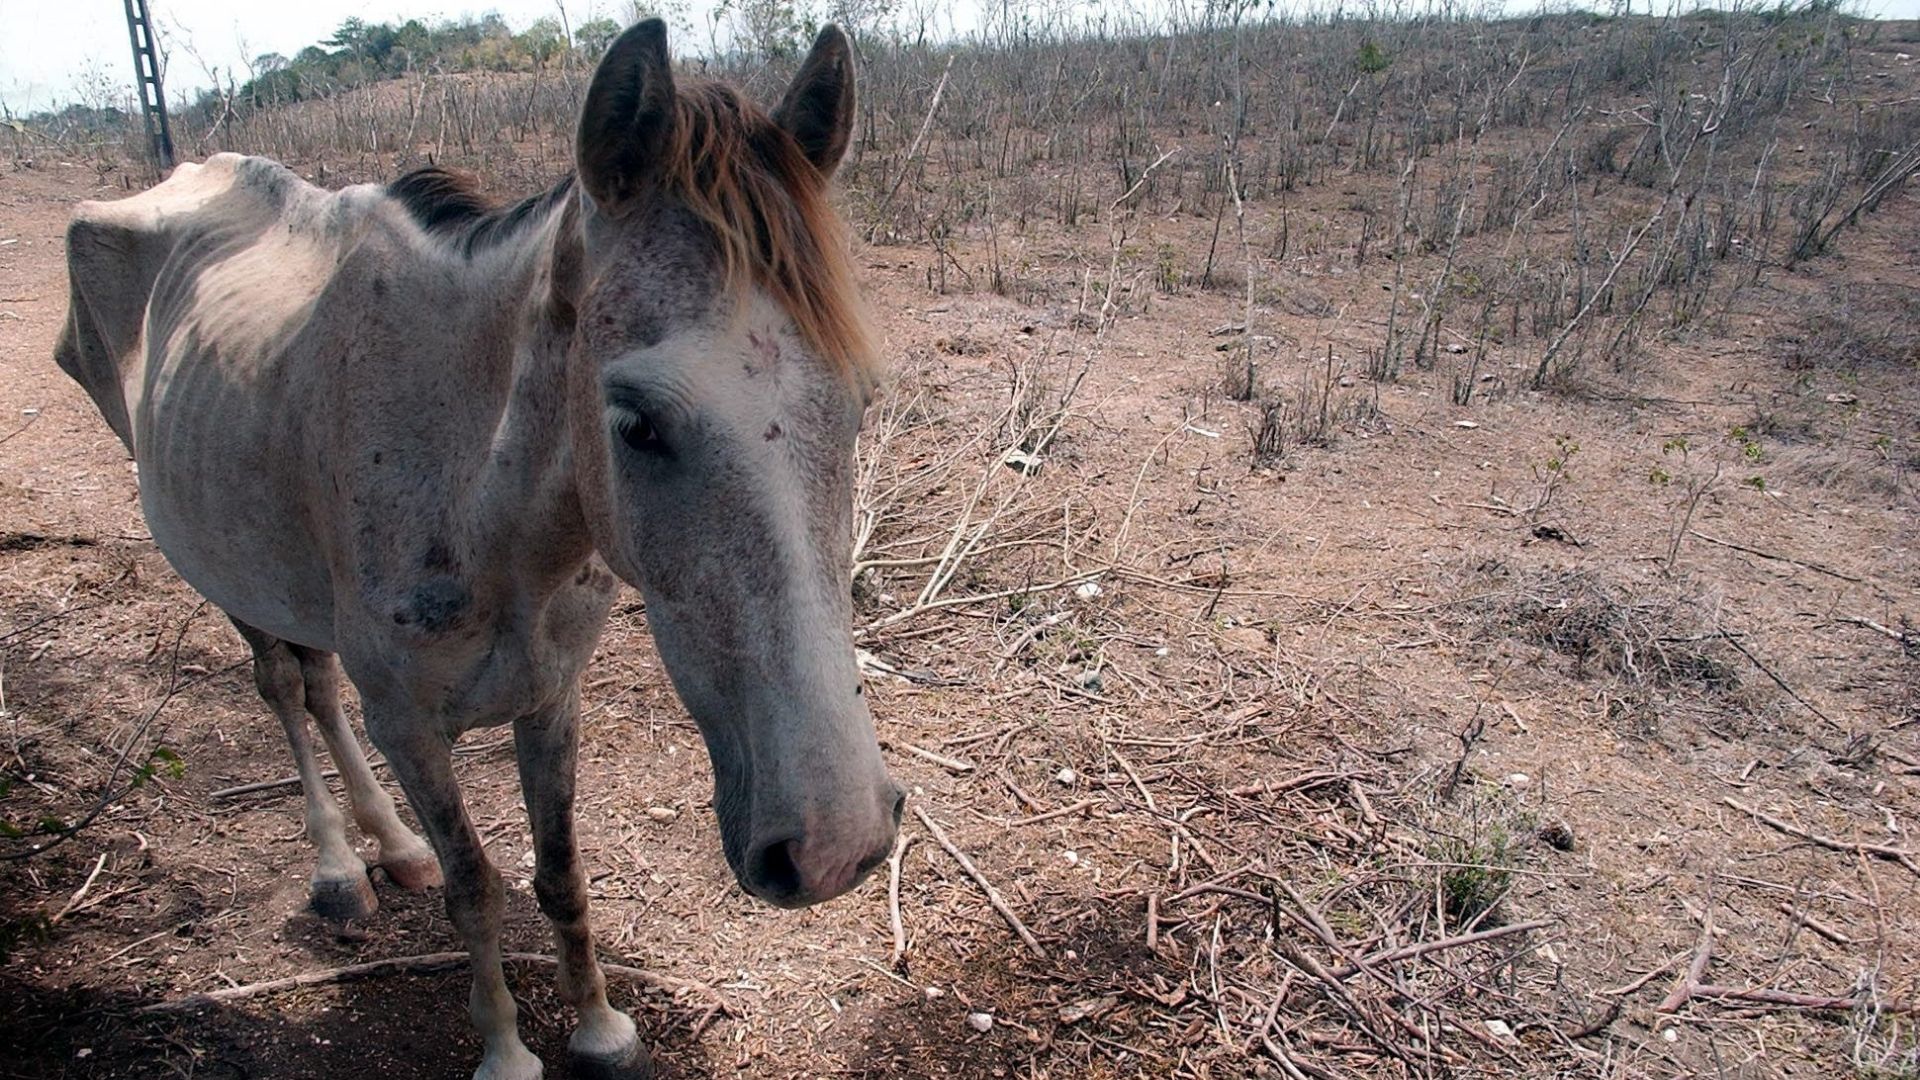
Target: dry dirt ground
1434, 678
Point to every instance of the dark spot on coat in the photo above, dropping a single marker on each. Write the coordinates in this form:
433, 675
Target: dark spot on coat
773, 431
434, 606
439, 559
379, 285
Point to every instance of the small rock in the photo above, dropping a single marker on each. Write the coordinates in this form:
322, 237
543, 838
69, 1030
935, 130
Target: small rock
934, 993
662, 814
1456, 348
1089, 680
1087, 590
1072, 857
1346, 380
1087, 1008
1066, 776
980, 1022
1022, 462
1466, 423
1558, 835
1518, 780
1250, 639
1841, 399
1501, 1030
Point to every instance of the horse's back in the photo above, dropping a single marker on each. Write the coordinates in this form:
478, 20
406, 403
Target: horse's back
186, 302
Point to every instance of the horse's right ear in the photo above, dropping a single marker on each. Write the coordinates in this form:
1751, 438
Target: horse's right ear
627, 116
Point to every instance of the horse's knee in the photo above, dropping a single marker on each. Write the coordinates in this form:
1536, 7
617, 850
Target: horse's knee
475, 900
561, 895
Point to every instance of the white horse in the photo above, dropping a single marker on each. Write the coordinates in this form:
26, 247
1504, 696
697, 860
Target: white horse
395, 425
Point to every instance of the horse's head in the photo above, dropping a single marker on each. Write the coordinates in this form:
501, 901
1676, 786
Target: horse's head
719, 369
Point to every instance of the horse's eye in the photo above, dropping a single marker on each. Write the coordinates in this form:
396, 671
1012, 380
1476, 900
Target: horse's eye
638, 432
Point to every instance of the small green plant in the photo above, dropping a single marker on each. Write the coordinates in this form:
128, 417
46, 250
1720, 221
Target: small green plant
1371, 58
1476, 882
1694, 488
1552, 474
160, 761
1749, 445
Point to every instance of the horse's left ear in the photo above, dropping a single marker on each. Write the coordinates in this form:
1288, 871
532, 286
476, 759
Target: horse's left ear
818, 108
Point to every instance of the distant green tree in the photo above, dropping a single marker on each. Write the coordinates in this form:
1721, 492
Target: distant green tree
1371, 58
542, 41
593, 36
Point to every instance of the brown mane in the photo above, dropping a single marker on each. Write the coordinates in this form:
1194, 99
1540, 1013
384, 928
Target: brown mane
747, 178
740, 173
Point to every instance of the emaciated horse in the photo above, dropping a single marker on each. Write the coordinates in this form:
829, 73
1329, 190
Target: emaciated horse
400, 427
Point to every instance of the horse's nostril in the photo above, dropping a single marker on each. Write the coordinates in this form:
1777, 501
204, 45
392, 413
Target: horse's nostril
899, 805
775, 871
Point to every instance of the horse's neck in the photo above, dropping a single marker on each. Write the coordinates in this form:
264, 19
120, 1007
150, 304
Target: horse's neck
524, 506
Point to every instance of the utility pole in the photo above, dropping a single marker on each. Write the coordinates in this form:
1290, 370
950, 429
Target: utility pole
146, 71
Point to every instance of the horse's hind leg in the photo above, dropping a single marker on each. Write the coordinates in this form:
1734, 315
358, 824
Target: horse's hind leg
404, 856
340, 889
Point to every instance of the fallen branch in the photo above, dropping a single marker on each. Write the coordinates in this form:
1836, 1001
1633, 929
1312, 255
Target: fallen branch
1688, 984
952, 765
993, 895
1784, 999
1851, 847
1296, 783
1814, 924
1733, 640
1409, 952
1073, 808
423, 964
73, 903
1804, 563
1907, 639
894, 921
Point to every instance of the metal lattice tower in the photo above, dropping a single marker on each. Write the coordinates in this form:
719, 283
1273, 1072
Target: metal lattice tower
146, 70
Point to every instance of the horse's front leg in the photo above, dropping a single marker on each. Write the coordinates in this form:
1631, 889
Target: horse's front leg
422, 760
547, 743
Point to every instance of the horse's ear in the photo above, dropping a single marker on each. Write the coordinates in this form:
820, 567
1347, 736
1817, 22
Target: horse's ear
628, 113
818, 108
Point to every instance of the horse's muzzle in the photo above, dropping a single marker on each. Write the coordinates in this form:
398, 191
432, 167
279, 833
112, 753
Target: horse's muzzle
815, 865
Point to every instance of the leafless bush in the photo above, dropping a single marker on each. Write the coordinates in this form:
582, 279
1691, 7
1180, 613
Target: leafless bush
1311, 413
1856, 325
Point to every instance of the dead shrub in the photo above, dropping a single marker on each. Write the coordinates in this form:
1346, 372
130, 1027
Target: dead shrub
1651, 637
1856, 325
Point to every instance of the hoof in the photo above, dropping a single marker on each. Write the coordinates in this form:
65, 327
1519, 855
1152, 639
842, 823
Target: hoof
635, 1064
414, 872
343, 899
513, 1062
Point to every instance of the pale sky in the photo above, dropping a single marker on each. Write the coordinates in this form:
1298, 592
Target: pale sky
50, 49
